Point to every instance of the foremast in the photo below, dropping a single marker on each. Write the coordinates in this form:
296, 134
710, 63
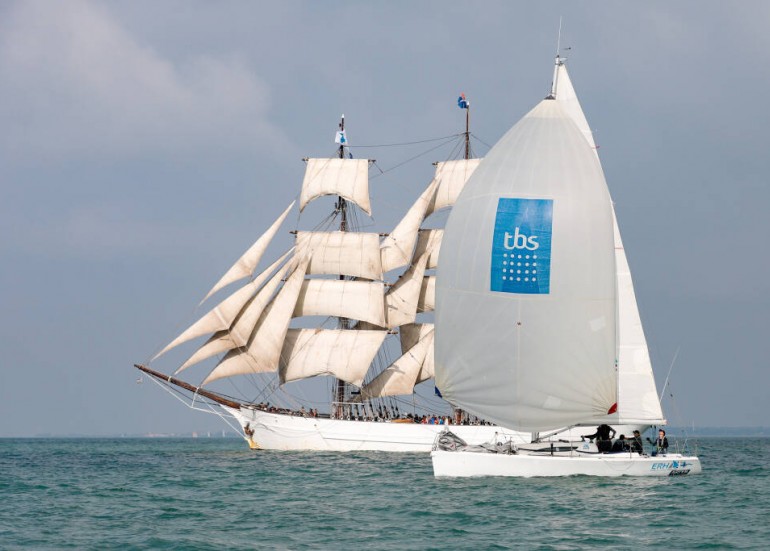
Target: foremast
340, 392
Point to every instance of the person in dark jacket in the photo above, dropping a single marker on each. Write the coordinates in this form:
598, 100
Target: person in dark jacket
661, 444
620, 445
603, 438
636, 443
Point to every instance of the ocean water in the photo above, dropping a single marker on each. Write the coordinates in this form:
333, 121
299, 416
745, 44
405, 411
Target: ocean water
217, 494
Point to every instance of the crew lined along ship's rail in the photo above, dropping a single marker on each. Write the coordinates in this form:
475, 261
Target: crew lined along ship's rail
367, 412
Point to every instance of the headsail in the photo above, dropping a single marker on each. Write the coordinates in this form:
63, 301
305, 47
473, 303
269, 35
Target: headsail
247, 263
542, 328
221, 317
637, 397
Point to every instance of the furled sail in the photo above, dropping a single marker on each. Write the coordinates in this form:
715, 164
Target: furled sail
348, 178
347, 253
239, 333
358, 300
637, 396
402, 375
402, 300
263, 350
397, 248
247, 263
346, 354
452, 176
528, 265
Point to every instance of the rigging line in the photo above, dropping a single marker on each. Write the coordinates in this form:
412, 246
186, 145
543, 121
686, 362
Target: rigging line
408, 143
480, 140
411, 159
671, 367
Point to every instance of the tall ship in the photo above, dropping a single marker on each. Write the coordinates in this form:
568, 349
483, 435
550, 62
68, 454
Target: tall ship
354, 307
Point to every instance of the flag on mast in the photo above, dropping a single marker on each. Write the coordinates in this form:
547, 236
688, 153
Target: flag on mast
462, 103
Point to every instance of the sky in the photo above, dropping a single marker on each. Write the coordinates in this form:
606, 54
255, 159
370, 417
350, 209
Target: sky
144, 146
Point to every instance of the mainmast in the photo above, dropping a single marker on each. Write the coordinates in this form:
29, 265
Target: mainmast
340, 390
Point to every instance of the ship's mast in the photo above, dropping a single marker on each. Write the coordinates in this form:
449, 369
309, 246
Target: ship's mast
468, 132
342, 323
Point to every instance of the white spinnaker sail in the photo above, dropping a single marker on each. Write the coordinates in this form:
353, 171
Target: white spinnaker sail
637, 396
346, 354
264, 348
247, 263
400, 377
398, 246
348, 178
531, 361
347, 253
452, 176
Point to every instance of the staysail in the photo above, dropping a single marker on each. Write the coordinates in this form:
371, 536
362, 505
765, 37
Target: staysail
526, 287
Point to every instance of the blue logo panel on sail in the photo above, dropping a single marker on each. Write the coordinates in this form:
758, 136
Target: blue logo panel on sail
521, 246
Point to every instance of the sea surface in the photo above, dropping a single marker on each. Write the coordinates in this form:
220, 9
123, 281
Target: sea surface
218, 494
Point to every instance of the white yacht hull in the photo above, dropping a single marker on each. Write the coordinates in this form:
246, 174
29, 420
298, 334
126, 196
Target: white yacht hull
468, 464
277, 431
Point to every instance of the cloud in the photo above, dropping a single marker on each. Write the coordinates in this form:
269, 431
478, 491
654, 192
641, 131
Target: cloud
74, 82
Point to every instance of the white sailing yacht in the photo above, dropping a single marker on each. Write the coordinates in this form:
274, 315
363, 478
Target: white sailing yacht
536, 322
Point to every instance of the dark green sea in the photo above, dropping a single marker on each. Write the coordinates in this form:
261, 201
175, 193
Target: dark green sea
217, 494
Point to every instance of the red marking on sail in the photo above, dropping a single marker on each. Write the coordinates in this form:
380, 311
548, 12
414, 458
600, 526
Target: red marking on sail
613, 409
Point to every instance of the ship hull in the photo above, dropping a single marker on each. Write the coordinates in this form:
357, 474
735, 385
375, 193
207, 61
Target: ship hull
454, 464
274, 431
277, 431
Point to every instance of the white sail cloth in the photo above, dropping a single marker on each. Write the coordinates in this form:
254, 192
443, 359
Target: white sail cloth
263, 350
403, 299
402, 375
451, 177
427, 300
428, 239
239, 333
347, 253
248, 262
358, 300
531, 361
346, 354
397, 248
638, 401
348, 178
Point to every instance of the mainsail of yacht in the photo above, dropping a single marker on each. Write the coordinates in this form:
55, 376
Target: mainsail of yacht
537, 326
